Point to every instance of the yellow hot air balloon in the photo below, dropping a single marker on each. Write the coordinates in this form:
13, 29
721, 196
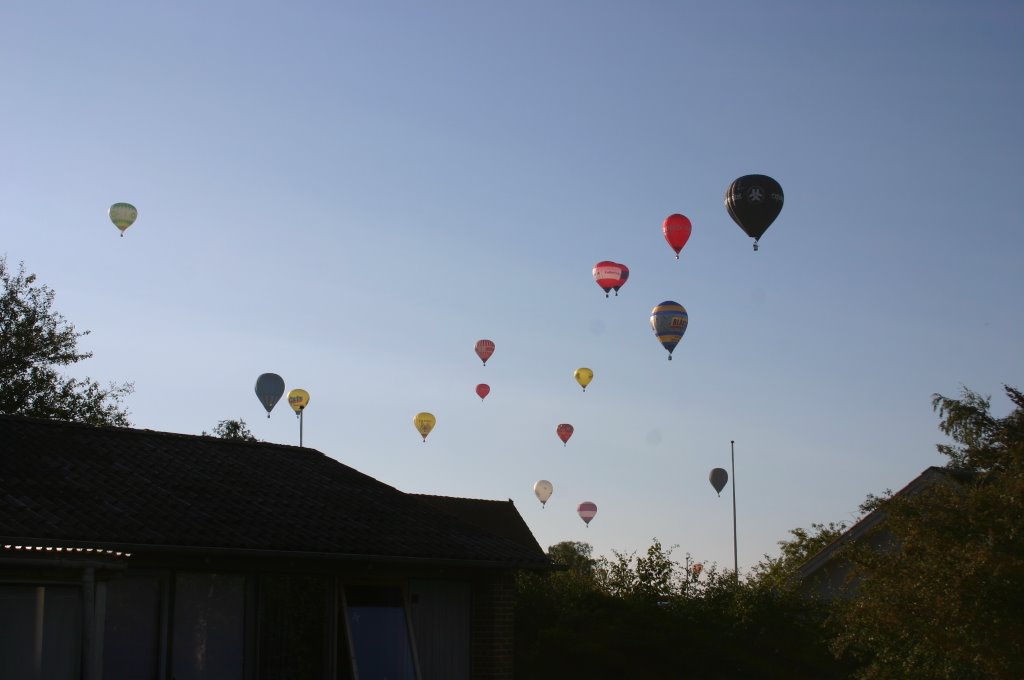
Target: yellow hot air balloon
424, 423
123, 215
583, 377
298, 399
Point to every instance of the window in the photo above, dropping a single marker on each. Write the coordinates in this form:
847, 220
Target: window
294, 611
209, 627
379, 632
40, 631
128, 618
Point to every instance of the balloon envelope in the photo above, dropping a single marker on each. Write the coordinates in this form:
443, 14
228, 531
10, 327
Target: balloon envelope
298, 399
677, 229
669, 321
543, 490
586, 510
424, 423
564, 431
484, 350
610, 275
123, 215
753, 202
718, 478
269, 388
482, 390
583, 377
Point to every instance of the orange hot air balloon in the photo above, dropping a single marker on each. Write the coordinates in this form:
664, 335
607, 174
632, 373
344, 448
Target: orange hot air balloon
564, 431
677, 229
484, 350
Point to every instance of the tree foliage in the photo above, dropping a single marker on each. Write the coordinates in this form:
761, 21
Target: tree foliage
777, 572
940, 584
35, 342
984, 443
651, 616
232, 429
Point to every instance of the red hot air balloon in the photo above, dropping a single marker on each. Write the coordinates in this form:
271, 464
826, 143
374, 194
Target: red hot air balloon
482, 390
610, 276
484, 350
564, 431
677, 229
586, 510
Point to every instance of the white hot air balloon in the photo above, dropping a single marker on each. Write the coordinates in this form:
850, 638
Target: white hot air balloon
543, 489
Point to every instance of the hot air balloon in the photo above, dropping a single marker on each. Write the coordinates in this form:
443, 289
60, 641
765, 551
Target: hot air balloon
718, 478
586, 510
482, 390
564, 431
543, 489
697, 568
583, 377
753, 202
269, 388
298, 399
677, 230
424, 423
123, 215
610, 276
669, 321
484, 350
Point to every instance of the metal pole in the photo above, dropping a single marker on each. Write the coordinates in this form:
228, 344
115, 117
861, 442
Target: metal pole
735, 554
300, 427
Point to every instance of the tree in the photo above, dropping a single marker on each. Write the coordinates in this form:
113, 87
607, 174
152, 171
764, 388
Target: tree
984, 443
776, 572
232, 429
35, 341
943, 596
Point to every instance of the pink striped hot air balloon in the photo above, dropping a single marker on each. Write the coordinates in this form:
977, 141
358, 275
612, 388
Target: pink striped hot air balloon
586, 510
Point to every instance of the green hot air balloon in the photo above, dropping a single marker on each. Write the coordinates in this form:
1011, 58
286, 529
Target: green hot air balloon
123, 215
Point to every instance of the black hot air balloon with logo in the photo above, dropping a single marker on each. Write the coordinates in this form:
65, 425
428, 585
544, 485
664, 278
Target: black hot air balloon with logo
753, 202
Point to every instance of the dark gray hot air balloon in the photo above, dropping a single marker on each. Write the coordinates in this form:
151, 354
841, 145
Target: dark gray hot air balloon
753, 202
269, 388
718, 479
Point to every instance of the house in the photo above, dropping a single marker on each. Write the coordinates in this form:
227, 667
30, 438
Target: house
129, 553
827, 574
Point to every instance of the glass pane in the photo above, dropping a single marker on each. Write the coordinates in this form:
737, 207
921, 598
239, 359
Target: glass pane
40, 631
379, 633
293, 627
131, 628
209, 626
440, 612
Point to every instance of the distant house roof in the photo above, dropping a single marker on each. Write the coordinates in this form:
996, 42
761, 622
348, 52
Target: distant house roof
73, 484
929, 477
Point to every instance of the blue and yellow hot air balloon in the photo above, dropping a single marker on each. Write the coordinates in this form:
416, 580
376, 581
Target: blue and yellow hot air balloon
669, 321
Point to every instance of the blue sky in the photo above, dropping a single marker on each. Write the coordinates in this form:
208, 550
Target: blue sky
350, 194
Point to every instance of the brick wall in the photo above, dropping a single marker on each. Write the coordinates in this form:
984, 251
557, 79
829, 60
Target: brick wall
492, 628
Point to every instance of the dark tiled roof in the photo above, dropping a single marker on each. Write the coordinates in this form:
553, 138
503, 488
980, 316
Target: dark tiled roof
497, 517
139, 488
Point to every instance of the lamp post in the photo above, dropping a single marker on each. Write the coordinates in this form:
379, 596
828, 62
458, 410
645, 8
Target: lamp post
735, 553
